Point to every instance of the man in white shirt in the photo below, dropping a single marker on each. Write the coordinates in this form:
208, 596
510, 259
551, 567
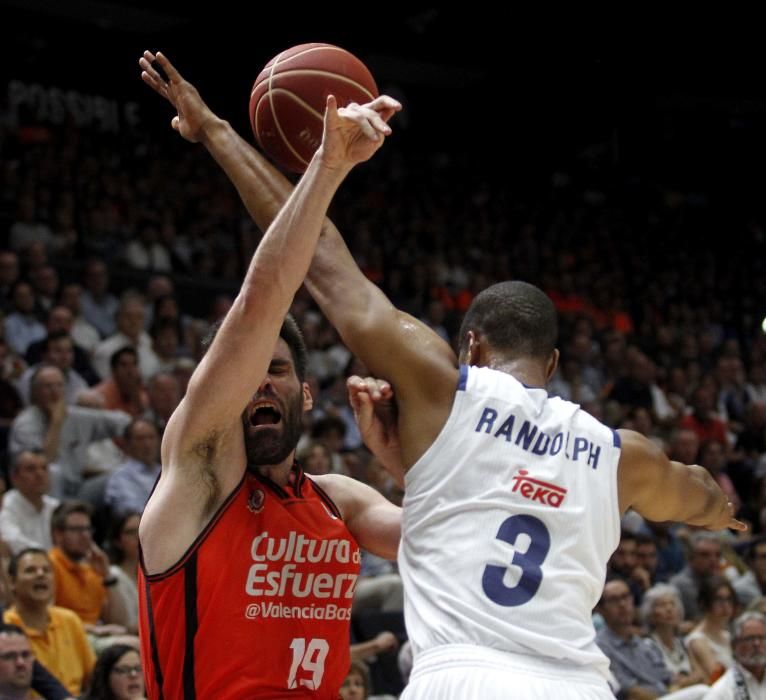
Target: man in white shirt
745, 679
25, 518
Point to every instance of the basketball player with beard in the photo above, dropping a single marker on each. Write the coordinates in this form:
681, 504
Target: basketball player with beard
248, 566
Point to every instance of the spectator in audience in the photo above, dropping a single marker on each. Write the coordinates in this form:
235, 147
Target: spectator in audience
22, 327
636, 663
28, 227
752, 583
129, 487
60, 319
25, 516
117, 675
624, 564
709, 643
646, 556
16, 661
63, 433
124, 389
745, 678
123, 550
9, 275
130, 331
45, 282
712, 456
703, 420
662, 613
20, 672
56, 635
99, 307
704, 561
83, 332
356, 686
83, 582
58, 351
164, 394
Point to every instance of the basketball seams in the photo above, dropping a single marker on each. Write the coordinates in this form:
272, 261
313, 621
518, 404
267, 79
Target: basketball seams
274, 116
294, 82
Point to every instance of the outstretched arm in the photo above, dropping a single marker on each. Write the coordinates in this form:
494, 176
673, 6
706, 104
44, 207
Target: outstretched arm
419, 364
199, 450
661, 490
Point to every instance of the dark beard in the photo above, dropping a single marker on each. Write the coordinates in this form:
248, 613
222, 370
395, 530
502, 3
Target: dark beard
270, 447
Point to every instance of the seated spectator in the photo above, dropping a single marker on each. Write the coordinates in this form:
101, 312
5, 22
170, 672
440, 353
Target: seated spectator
22, 326
704, 561
356, 685
60, 319
58, 351
164, 394
709, 643
662, 614
117, 675
99, 306
25, 516
20, 672
624, 564
315, 458
123, 551
636, 663
745, 678
646, 556
83, 582
63, 433
124, 389
703, 420
130, 331
56, 635
83, 333
129, 487
752, 583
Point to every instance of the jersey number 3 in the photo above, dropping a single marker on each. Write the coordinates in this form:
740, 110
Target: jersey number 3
529, 562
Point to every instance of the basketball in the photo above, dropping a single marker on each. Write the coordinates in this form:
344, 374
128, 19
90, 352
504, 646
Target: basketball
288, 99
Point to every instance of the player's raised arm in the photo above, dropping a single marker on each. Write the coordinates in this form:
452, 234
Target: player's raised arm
660, 489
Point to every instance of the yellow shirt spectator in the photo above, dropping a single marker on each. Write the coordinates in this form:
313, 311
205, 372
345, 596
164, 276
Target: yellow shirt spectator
62, 647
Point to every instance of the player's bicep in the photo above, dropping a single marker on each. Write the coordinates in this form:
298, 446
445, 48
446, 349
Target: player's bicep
648, 481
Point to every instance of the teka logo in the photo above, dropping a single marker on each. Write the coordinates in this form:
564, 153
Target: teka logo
255, 501
539, 491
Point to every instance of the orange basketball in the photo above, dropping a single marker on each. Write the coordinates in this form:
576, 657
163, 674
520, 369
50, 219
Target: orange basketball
288, 99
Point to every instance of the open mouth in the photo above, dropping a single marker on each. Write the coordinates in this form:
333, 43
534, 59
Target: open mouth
265, 415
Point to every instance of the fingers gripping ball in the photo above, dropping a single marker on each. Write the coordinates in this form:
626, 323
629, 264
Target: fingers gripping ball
288, 99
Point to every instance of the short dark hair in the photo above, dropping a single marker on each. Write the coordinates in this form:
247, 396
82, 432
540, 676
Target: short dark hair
65, 509
515, 317
117, 355
5, 628
290, 333
54, 336
13, 564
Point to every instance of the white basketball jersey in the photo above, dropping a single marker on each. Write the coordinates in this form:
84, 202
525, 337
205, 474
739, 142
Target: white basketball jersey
509, 520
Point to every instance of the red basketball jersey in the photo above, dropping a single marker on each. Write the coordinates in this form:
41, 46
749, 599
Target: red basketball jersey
259, 606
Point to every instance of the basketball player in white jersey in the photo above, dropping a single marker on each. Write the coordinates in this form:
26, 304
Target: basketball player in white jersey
513, 499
